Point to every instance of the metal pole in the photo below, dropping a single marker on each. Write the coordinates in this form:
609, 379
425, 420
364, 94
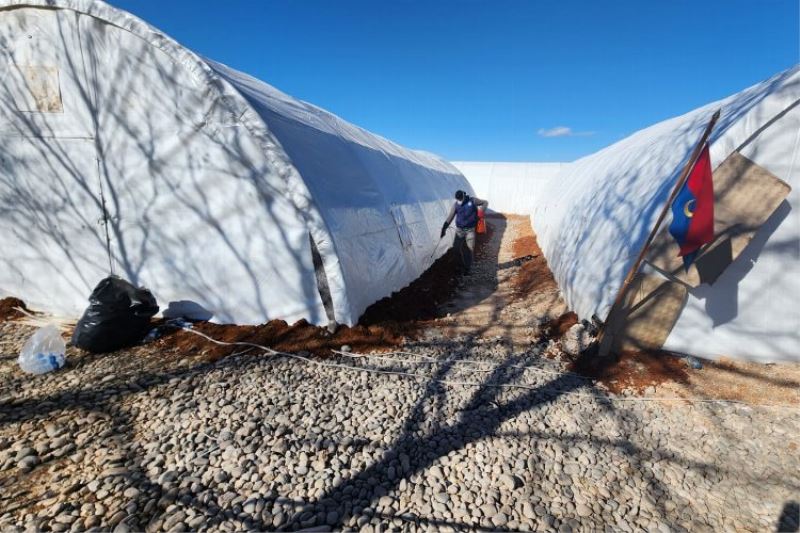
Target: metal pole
638, 263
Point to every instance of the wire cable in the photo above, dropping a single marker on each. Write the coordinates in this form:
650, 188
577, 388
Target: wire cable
569, 392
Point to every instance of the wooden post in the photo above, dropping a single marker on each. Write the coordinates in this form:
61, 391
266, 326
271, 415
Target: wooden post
638, 263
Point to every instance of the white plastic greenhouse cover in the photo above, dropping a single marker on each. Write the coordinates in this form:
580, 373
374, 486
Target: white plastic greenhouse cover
215, 184
509, 187
596, 214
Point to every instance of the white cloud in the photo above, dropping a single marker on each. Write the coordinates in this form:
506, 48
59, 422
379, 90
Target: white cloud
562, 131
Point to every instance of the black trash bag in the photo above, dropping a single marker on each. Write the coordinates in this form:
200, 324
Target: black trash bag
118, 316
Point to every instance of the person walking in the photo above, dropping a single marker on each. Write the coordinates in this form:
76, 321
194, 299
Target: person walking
465, 211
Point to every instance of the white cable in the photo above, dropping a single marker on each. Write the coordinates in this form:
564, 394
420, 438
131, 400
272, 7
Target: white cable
481, 384
38, 320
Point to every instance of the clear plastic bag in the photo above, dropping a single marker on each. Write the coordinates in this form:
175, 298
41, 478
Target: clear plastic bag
43, 352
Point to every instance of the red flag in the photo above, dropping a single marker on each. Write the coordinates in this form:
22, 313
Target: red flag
701, 212
693, 210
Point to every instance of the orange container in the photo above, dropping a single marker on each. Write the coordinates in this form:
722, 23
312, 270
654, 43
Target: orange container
481, 226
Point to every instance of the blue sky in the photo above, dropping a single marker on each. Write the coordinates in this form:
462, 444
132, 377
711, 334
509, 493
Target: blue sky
503, 80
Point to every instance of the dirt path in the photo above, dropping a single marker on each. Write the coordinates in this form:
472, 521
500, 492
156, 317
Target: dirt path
510, 292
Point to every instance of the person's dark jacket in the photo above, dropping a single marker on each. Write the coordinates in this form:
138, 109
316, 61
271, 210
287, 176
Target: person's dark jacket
466, 212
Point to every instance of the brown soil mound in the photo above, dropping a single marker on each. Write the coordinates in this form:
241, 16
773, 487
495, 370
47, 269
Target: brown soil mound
280, 336
631, 370
524, 246
534, 275
556, 328
382, 327
421, 301
7, 311
746, 381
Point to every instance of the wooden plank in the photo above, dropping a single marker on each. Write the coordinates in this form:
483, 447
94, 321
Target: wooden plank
653, 306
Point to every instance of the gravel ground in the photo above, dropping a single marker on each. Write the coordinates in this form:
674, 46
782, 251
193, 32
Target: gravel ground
485, 433
264, 442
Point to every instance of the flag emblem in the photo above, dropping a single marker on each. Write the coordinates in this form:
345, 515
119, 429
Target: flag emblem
693, 210
688, 209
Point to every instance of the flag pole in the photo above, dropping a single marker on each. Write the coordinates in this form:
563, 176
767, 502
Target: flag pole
643, 252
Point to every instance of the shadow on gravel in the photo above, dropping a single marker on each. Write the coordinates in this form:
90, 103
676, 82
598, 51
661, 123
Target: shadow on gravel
120, 431
414, 443
106, 401
427, 436
481, 417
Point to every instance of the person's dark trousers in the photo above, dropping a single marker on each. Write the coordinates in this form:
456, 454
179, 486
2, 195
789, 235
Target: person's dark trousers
465, 236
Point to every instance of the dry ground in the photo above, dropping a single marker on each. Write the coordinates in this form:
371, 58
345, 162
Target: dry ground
510, 293
468, 420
